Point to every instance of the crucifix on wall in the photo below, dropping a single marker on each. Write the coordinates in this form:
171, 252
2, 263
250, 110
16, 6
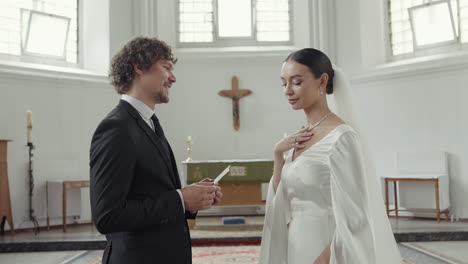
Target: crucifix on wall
235, 94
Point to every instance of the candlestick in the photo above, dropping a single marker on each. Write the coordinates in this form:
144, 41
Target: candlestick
29, 126
189, 149
32, 217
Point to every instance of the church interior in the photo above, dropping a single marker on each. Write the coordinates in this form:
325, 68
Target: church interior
406, 61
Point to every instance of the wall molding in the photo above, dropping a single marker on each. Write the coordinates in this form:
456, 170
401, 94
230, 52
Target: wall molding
50, 72
423, 66
255, 54
322, 19
144, 17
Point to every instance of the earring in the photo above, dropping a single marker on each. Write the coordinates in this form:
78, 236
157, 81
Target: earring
322, 93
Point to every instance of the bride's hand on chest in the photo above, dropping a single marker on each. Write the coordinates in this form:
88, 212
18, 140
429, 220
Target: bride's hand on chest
295, 140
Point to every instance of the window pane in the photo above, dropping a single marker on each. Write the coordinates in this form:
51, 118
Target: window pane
273, 20
399, 23
11, 21
399, 20
432, 24
235, 18
206, 20
46, 34
195, 20
463, 21
4, 47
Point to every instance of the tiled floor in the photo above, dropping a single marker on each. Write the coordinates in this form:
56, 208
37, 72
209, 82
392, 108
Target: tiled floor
415, 257
450, 251
211, 227
405, 225
74, 232
239, 255
56, 257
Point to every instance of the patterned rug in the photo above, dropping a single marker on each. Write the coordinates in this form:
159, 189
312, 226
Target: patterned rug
200, 255
225, 254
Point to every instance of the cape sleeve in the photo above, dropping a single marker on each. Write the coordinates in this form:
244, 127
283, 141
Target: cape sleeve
274, 243
357, 210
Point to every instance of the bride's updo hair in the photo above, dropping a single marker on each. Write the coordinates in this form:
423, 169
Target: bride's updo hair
317, 62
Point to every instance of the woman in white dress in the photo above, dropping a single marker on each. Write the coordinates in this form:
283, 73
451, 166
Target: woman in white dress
324, 203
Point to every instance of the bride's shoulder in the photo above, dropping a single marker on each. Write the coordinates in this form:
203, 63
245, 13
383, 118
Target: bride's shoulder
342, 128
343, 133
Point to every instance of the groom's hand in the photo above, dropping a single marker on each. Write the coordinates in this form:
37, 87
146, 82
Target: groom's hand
199, 196
219, 193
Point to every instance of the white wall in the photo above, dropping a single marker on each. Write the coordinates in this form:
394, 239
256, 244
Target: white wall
415, 105
196, 109
94, 35
418, 113
65, 114
67, 105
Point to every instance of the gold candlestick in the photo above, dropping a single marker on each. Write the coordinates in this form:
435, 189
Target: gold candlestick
189, 148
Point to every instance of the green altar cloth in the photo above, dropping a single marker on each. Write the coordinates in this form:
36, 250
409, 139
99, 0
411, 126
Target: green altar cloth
242, 171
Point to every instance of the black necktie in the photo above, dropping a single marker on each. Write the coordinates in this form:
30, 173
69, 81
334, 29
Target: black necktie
157, 127
160, 133
167, 149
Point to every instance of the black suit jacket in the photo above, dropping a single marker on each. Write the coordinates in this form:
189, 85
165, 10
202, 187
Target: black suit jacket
133, 193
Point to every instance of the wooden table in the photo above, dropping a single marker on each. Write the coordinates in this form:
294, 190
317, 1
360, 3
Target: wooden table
66, 185
5, 202
408, 178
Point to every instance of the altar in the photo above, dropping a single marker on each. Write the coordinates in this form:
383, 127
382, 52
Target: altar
244, 187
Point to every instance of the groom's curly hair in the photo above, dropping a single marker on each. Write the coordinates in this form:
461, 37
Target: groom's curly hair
317, 62
142, 52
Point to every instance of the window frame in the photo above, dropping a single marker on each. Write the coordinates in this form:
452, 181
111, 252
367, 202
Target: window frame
47, 60
428, 50
219, 42
24, 52
417, 46
216, 36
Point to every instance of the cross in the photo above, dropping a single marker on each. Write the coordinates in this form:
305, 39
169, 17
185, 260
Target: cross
235, 94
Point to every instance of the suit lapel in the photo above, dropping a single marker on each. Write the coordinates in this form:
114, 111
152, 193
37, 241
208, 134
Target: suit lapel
174, 165
153, 138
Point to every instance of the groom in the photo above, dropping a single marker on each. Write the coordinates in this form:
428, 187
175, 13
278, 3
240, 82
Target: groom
136, 195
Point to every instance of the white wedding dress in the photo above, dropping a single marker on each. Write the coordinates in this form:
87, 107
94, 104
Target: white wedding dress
322, 200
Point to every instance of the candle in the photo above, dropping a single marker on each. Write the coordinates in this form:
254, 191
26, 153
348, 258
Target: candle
29, 126
189, 148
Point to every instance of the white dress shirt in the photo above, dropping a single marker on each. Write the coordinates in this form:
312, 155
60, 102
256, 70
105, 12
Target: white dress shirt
146, 113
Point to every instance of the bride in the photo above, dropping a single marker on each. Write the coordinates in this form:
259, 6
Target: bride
324, 203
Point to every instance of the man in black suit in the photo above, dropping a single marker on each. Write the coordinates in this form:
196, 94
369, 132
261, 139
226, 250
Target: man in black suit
136, 195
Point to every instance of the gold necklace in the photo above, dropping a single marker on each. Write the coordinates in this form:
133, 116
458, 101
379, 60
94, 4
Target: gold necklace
320, 121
